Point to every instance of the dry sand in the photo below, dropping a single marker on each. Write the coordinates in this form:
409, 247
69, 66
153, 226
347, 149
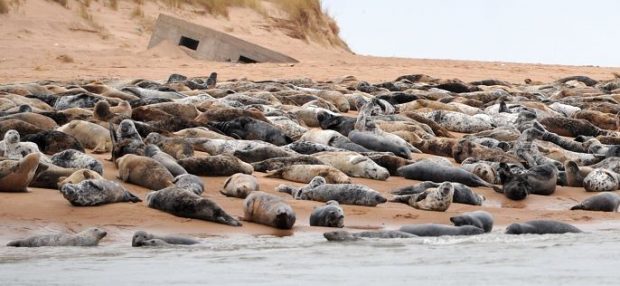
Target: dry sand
38, 32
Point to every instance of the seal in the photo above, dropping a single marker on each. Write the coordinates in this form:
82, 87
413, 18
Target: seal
52, 142
426, 170
328, 215
432, 199
354, 165
282, 162
267, 209
601, 180
143, 171
309, 148
432, 229
178, 148
88, 237
261, 153
333, 139
574, 175
15, 176
190, 182
142, 238
15, 150
290, 127
346, 194
125, 140
339, 123
21, 126
49, 175
479, 219
218, 165
75, 159
388, 161
240, 186
460, 122
96, 192
79, 176
603, 202
539, 180
184, 203
251, 129
164, 159
541, 227
305, 174
91, 136
462, 193
375, 142
341, 235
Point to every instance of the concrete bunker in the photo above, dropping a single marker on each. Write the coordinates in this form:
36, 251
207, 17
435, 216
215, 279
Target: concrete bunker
208, 44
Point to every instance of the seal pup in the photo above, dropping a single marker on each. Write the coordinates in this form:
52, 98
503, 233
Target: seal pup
462, 193
267, 209
141, 238
427, 170
541, 227
282, 162
601, 180
143, 171
190, 182
240, 186
309, 148
12, 148
184, 203
305, 174
341, 235
328, 215
603, 202
79, 176
75, 159
88, 237
15, 176
218, 165
96, 192
480, 219
432, 199
432, 229
163, 158
90, 135
354, 165
347, 194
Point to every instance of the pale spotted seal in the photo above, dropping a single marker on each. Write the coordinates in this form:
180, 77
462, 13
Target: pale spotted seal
432, 199
240, 186
75, 159
95, 192
88, 237
347, 194
305, 174
601, 180
354, 165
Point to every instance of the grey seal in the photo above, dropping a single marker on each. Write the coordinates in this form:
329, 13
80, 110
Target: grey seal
328, 215
97, 192
267, 209
426, 170
541, 227
432, 229
141, 238
603, 202
218, 165
480, 219
190, 182
15, 176
184, 203
282, 162
88, 237
163, 158
341, 235
143, 171
347, 194
431, 199
462, 193
77, 160
240, 186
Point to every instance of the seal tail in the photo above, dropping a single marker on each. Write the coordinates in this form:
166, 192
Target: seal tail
285, 189
133, 198
275, 174
401, 199
14, 243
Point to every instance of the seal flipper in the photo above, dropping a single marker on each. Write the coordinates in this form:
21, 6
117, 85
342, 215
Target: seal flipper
132, 198
577, 207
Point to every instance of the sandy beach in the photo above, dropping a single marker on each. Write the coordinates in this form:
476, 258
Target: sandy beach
32, 43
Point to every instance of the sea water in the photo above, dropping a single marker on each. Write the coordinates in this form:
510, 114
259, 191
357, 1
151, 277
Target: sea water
308, 259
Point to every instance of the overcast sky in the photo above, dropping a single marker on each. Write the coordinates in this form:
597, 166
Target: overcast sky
533, 31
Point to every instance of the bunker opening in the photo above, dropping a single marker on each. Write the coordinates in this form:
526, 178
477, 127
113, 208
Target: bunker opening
245, 60
189, 43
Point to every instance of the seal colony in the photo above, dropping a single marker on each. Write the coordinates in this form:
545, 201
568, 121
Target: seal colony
320, 141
